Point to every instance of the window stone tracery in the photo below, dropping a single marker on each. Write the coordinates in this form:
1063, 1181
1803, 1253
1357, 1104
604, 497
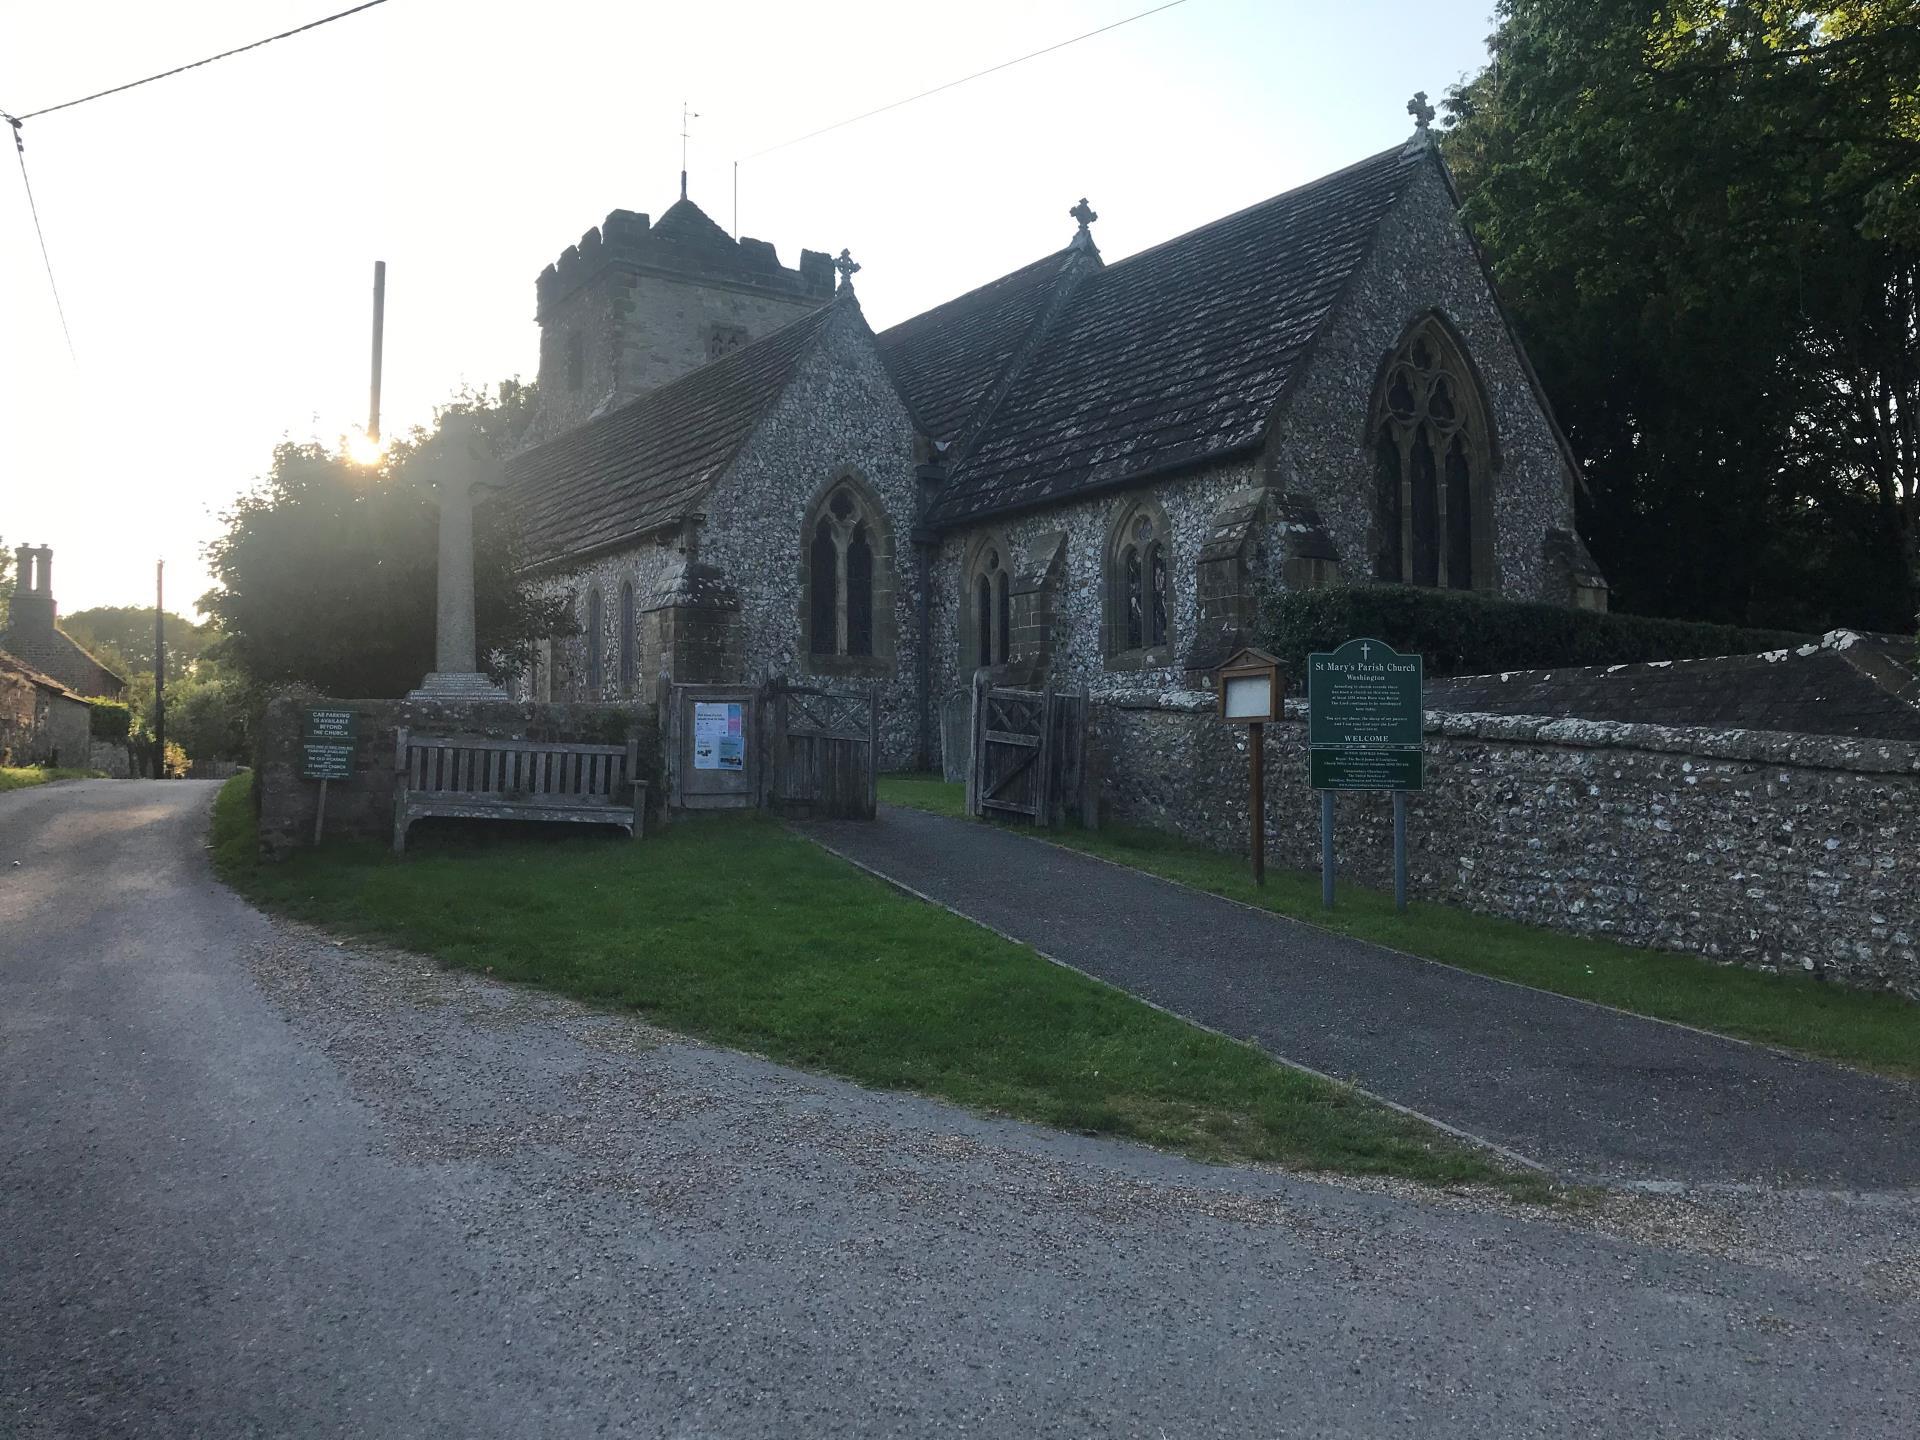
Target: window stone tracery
1433, 463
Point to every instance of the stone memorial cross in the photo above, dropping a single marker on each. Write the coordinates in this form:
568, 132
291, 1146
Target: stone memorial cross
463, 462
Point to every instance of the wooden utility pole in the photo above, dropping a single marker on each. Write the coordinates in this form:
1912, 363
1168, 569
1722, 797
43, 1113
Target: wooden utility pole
379, 332
159, 669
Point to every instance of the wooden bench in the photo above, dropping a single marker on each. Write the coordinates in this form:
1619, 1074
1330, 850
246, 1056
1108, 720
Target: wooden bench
469, 777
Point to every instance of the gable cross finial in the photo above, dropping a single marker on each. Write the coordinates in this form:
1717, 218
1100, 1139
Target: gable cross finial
1420, 110
1083, 212
848, 268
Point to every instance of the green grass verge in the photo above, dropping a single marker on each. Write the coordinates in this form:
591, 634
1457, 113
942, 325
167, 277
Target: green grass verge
1880, 1032
730, 928
20, 777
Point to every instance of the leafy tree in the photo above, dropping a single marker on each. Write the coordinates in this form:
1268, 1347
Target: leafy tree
1706, 215
6, 580
327, 571
122, 636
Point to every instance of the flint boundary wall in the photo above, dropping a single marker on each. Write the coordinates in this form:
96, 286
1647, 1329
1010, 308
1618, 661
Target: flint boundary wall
362, 807
1772, 851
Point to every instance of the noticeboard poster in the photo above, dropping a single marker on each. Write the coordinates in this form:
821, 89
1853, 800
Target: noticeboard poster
719, 739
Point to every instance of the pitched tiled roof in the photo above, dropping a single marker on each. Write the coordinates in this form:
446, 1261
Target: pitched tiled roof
1847, 685
14, 665
651, 462
949, 359
1177, 355
56, 655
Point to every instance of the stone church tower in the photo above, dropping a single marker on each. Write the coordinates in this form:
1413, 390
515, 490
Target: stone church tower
638, 303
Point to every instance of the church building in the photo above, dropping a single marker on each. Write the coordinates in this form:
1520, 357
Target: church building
1087, 473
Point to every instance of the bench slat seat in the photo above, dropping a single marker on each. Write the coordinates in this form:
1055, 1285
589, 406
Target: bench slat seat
474, 777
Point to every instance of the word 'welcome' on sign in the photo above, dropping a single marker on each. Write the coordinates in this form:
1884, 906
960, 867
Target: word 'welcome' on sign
1365, 718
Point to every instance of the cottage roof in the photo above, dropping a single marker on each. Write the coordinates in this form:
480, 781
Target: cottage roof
1847, 684
651, 463
49, 651
1171, 358
14, 665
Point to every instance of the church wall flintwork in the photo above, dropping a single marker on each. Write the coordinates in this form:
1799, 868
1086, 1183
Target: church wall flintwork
1422, 261
840, 414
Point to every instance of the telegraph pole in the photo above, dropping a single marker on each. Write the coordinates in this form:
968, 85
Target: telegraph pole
159, 669
379, 332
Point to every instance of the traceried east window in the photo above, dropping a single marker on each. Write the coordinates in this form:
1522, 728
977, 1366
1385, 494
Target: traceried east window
1432, 459
724, 340
841, 563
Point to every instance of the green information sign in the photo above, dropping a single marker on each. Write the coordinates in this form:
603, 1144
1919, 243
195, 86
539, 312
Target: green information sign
1365, 718
326, 744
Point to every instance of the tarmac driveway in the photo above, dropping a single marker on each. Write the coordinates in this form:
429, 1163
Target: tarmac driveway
255, 1182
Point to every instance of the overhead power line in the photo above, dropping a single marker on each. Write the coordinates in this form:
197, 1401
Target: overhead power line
195, 65
976, 75
20, 151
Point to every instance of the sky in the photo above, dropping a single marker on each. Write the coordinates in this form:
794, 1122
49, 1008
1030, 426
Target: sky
213, 235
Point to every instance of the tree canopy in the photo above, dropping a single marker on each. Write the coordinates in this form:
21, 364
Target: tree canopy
327, 570
1705, 215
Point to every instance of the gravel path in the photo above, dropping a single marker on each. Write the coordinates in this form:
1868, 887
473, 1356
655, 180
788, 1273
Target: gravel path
1589, 1091
257, 1182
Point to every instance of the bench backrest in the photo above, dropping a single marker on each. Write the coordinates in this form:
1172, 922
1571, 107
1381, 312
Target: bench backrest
515, 769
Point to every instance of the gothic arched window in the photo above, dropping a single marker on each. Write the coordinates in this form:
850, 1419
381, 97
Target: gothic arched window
1433, 458
988, 634
596, 645
1140, 585
848, 609
629, 660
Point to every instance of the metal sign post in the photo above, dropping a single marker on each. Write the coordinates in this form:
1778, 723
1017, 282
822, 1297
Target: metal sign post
1250, 689
1366, 724
326, 753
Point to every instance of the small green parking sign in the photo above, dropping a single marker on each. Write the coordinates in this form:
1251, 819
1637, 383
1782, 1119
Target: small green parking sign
327, 743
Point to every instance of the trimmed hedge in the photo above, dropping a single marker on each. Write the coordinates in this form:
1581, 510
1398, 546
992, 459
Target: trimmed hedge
1461, 633
108, 719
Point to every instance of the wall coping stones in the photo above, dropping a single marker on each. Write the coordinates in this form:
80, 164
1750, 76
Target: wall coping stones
1762, 747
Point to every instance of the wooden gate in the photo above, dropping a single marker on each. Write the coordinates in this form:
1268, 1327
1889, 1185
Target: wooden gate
1030, 755
824, 750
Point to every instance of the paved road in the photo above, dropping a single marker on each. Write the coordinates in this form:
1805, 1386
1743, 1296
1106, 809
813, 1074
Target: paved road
1591, 1092
257, 1183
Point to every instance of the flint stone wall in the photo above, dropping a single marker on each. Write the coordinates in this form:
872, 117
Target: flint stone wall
1772, 851
362, 807
111, 757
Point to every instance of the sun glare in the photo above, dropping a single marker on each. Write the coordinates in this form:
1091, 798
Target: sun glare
365, 449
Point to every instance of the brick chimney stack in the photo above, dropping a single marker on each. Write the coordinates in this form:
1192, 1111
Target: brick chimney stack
31, 615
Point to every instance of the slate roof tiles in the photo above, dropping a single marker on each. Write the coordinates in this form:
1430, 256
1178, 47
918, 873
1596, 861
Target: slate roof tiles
1175, 356
650, 463
948, 360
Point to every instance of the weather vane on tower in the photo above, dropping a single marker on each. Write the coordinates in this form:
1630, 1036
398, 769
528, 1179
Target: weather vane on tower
685, 116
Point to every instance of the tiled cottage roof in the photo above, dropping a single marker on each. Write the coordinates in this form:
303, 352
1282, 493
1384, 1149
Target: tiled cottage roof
651, 462
1177, 355
56, 654
949, 359
14, 665
1846, 685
